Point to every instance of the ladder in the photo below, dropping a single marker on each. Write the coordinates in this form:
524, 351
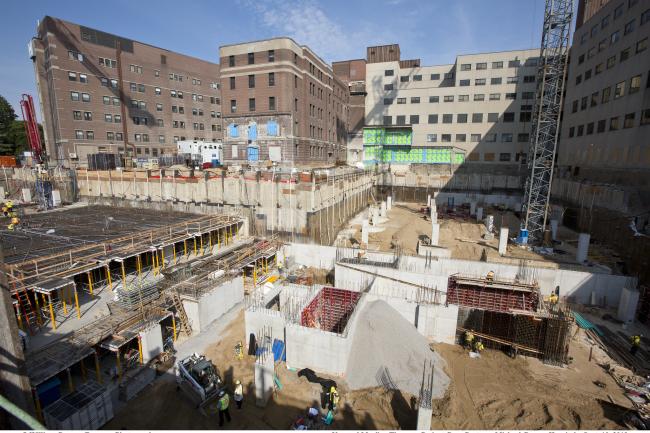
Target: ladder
178, 304
26, 309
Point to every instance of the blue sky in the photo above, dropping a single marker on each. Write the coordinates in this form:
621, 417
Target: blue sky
433, 30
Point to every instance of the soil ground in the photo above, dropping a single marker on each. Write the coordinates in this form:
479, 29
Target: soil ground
493, 392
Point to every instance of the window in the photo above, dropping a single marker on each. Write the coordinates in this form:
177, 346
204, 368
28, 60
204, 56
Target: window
85, 97
449, 98
512, 80
449, 76
414, 119
271, 55
251, 81
635, 84
583, 103
508, 116
271, 103
104, 81
514, 63
629, 27
133, 87
506, 137
251, 58
389, 73
74, 96
156, 73
463, 98
594, 99
446, 138
619, 90
615, 36
475, 138
480, 66
108, 118
159, 107
613, 123
645, 17
642, 45
578, 79
110, 136
461, 138
583, 38
604, 22
497, 65
447, 118
434, 99
160, 122
233, 105
401, 100
525, 116
496, 80
116, 102
435, 76
231, 61
479, 82
590, 128
491, 137
388, 101
600, 67
523, 137
76, 115
645, 117
117, 118
72, 76
594, 30
504, 157
572, 131
90, 135
463, 83
232, 83
493, 117
388, 120
629, 120
601, 126
401, 120
611, 61
529, 78
109, 63
251, 104
574, 106
415, 99
73, 55
625, 54
432, 138
466, 67
433, 118
461, 118
511, 96
417, 77
479, 97
79, 134
118, 136
602, 45
135, 68
495, 96
477, 118
388, 86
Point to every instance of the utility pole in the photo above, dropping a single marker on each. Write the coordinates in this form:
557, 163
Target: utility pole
553, 58
120, 84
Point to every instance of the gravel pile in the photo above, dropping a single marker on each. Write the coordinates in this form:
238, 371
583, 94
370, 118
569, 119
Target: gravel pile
388, 351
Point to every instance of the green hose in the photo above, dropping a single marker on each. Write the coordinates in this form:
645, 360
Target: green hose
29, 420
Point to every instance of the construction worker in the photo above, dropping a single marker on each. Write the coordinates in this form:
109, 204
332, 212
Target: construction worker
636, 343
478, 346
239, 394
469, 339
333, 398
490, 276
553, 299
222, 405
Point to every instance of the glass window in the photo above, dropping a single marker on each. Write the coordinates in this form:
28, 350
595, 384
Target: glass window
628, 122
447, 118
506, 137
432, 138
449, 98
477, 117
496, 80
464, 82
479, 82
479, 97
480, 66
433, 118
415, 99
389, 73
414, 119
461, 138
435, 76
495, 96
466, 67
463, 98
434, 99
461, 118
493, 117
619, 90
475, 138
497, 65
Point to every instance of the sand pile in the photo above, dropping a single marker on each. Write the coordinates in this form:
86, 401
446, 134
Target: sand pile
388, 351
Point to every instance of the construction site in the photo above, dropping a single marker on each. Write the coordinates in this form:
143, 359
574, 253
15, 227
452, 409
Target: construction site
322, 295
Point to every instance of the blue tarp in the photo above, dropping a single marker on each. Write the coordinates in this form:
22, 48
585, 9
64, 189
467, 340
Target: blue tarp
272, 128
252, 131
232, 130
49, 392
279, 354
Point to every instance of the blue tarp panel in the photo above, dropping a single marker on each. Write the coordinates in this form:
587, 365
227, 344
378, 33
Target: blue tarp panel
279, 354
232, 130
252, 131
253, 153
272, 128
49, 392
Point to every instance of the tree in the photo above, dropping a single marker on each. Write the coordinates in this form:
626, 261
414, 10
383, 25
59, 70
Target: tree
7, 114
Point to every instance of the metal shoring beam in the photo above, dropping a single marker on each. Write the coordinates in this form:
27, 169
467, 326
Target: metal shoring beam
548, 108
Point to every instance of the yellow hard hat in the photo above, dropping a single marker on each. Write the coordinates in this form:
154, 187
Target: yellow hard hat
237, 382
10, 226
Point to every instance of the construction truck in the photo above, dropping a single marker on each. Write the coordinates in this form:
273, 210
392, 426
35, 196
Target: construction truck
199, 378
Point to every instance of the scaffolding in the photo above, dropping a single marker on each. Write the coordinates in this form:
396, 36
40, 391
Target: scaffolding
330, 310
499, 296
553, 59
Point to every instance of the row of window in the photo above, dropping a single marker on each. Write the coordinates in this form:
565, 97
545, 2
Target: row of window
251, 81
629, 121
506, 137
270, 56
478, 97
252, 105
533, 61
625, 54
477, 81
632, 86
138, 138
414, 119
604, 22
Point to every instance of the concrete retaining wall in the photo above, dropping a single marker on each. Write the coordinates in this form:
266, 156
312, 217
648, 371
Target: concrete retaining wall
214, 303
321, 351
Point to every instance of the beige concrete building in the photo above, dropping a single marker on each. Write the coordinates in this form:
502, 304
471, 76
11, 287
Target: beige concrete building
606, 127
166, 96
478, 109
283, 103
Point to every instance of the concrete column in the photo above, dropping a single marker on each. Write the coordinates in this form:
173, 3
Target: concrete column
479, 214
583, 247
429, 200
434, 215
263, 381
2, 193
364, 232
27, 195
56, 198
424, 418
435, 234
503, 241
389, 203
382, 211
554, 224
472, 208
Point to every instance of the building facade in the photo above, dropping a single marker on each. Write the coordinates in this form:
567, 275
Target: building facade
165, 96
605, 133
353, 74
282, 103
478, 109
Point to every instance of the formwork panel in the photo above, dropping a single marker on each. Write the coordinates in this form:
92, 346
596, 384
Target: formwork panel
330, 309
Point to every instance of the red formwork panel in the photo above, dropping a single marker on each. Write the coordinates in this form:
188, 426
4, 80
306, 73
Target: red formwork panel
491, 297
330, 309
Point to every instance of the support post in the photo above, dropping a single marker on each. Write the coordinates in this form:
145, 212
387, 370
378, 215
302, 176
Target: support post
108, 277
97, 370
83, 370
174, 326
119, 366
76, 302
140, 349
69, 375
90, 282
52, 312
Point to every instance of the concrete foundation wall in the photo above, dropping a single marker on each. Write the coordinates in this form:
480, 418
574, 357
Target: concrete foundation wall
152, 342
321, 351
214, 303
256, 319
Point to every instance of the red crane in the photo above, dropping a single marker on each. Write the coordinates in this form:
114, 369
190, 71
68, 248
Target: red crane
31, 129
